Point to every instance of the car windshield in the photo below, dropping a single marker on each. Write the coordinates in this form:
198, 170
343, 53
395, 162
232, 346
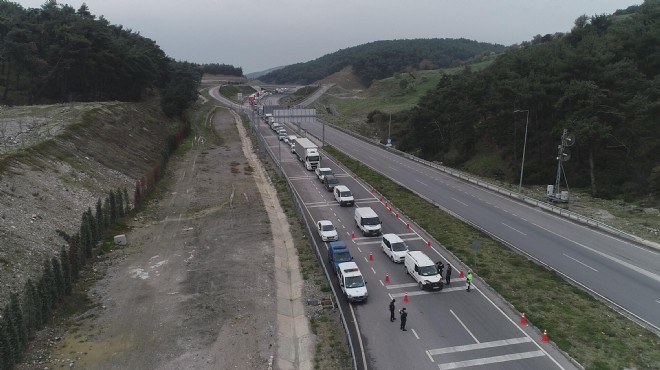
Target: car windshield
399, 247
327, 227
370, 221
354, 282
428, 270
313, 158
331, 180
326, 172
345, 194
342, 257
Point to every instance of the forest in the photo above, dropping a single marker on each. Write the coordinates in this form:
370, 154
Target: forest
58, 54
380, 59
599, 81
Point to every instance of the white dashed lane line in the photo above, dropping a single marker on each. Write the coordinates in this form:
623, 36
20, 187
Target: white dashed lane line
514, 229
581, 263
459, 201
421, 182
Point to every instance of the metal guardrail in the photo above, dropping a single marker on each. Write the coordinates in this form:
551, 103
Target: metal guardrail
514, 195
301, 212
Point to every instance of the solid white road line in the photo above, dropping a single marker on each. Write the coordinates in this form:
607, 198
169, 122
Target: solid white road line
471, 347
397, 286
490, 360
414, 332
394, 169
464, 327
513, 228
657, 301
421, 182
581, 263
367, 243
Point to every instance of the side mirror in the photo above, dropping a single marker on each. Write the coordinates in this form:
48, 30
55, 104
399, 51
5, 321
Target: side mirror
351, 258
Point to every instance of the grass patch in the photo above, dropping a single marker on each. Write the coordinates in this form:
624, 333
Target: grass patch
299, 95
231, 92
589, 331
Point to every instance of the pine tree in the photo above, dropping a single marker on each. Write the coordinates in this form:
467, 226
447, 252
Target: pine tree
73, 259
43, 305
94, 232
50, 290
8, 322
6, 353
113, 207
59, 279
35, 310
19, 321
120, 202
66, 271
107, 213
137, 194
100, 225
29, 309
127, 203
85, 237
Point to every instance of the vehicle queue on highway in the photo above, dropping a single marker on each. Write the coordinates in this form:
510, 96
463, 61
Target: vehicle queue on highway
406, 252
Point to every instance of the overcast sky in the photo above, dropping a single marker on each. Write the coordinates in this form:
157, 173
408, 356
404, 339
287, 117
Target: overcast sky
261, 34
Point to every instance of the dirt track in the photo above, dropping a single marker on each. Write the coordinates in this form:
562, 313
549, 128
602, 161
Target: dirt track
170, 302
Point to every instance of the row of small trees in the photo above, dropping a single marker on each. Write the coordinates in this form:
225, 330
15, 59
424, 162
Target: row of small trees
28, 311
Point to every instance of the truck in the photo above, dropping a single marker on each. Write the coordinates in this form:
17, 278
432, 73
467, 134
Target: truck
338, 253
307, 152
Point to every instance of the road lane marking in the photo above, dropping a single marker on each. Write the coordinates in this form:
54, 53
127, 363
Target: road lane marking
359, 336
464, 327
358, 248
459, 201
581, 263
490, 360
394, 169
470, 347
372, 269
421, 182
381, 283
414, 332
407, 234
513, 228
430, 357
657, 301
397, 286
366, 243
605, 255
366, 259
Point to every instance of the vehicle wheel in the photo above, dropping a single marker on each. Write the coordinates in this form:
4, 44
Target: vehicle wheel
392, 258
407, 273
421, 286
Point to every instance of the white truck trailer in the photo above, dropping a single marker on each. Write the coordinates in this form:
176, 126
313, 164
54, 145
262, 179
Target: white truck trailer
307, 152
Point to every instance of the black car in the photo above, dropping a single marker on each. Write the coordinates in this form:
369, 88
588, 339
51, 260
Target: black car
329, 181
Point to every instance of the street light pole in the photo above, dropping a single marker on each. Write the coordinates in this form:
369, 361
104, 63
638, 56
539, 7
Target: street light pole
522, 164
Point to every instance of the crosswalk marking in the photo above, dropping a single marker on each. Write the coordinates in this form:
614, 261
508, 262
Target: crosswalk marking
490, 360
470, 347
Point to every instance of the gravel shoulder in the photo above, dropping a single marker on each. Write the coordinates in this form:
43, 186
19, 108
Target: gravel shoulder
195, 287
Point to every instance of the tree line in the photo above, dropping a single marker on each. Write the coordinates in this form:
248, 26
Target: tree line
380, 59
599, 81
58, 54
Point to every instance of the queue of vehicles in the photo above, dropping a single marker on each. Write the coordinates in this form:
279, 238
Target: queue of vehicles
351, 281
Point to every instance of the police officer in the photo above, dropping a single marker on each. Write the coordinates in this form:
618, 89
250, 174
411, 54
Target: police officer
469, 280
404, 318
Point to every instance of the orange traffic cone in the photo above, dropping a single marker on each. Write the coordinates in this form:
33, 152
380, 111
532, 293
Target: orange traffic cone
544, 338
353, 235
462, 274
386, 204
428, 243
397, 215
408, 225
523, 320
387, 278
371, 257
405, 297
381, 199
372, 190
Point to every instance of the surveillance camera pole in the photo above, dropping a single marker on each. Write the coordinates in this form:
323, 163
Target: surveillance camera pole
522, 165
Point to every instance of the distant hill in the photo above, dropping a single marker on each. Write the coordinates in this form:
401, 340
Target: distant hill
255, 75
380, 59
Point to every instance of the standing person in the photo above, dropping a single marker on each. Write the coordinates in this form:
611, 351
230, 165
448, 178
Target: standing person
404, 318
469, 280
448, 276
440, 266
392, 318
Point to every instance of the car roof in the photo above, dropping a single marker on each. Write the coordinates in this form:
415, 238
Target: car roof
393, 238
325, 222
349, 269
342, 188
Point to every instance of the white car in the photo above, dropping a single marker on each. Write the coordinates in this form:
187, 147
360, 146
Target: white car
322, 171
343, 196
394, 247
327, 231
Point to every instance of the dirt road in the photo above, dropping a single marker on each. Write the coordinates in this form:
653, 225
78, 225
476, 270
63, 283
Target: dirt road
195, 288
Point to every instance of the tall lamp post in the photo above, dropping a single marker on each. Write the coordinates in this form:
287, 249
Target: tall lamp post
522, 165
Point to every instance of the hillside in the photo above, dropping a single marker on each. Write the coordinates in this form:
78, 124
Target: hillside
380, 59
58, 161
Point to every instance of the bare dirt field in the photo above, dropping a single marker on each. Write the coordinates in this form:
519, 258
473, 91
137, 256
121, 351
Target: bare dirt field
194, 288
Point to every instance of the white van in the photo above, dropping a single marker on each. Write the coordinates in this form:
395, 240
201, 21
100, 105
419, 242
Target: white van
367, 221
423, 270
352, 282
394, 247
343, 195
